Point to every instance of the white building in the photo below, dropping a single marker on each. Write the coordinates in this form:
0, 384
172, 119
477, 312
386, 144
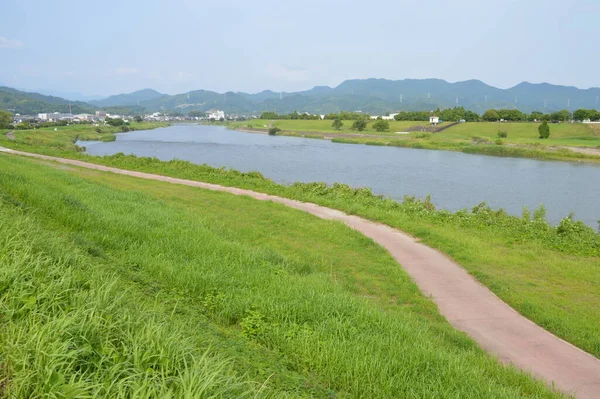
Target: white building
434, 120
215, 114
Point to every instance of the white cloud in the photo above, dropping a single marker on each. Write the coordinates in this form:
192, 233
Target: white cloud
10, 43
285, 73
127, 71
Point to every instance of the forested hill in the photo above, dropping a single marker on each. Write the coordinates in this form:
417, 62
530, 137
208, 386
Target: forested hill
26, 103
374, 96
380, 95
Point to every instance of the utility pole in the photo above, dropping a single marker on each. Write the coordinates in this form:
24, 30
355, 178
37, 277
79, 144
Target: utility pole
545, 103
456, 100
401, 98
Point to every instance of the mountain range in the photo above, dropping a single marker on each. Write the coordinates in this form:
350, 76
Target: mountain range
375, 96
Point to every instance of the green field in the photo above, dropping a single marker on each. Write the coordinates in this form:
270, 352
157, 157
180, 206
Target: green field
112, 286
575, 134
323, 126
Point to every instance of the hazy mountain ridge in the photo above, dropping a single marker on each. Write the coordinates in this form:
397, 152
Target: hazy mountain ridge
32, 103
375, 96
128, 98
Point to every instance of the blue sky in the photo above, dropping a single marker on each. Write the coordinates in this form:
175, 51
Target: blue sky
108, 47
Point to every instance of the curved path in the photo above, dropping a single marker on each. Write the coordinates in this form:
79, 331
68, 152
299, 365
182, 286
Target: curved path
467, 304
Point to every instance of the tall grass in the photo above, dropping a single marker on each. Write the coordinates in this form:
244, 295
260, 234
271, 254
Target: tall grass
70, 330
179, 289
502, 251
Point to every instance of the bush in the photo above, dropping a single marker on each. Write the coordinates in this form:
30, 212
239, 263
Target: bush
124, 129
381, 125
273, 131
499, 141
502, 134
98, 130
359, 124
337, 124
544, 130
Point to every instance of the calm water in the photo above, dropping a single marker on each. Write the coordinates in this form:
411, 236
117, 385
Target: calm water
454, 180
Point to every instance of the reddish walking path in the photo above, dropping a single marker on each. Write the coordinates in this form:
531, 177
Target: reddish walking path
467, 304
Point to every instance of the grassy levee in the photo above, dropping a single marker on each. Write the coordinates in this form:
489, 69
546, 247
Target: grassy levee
113, 286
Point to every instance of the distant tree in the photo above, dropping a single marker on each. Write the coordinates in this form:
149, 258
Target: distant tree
582, 114
594, 115
115, 121
381, 125
197, 113
269, 115
562, 115
491, 115
273, 131
359, 124
544, 130
138, 119
337, 124
5, 119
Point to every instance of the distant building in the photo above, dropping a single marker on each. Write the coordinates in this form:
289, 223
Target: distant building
434, 120
215, 114
101, 114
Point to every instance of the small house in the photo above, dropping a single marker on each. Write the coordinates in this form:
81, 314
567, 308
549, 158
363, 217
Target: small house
434, 120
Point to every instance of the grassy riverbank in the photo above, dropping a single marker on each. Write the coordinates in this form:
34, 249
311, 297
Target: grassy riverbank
65, 137
142, 288
568, 142
549, 274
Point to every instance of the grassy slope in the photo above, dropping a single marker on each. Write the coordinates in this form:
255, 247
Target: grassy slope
142, 288
530, 267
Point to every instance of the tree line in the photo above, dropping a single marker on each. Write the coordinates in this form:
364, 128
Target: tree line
457, 114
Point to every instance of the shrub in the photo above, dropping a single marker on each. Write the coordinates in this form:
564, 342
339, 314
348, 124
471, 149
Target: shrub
98, 130
337, 124
273, 131
544, 130
124, 129
499, 141
502, 134
359, 124
381, 125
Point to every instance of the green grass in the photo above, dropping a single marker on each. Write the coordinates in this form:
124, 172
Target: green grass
323, 126
567, 134
113, 286
65, 137
486, 243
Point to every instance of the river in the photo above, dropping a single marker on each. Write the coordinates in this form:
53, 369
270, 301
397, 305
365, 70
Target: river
454, 180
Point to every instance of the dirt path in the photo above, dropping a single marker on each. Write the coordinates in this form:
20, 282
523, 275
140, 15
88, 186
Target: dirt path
583, 150
467, 304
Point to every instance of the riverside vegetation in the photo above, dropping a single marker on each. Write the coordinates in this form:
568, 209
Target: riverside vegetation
112, 286
567, 142
548, 273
